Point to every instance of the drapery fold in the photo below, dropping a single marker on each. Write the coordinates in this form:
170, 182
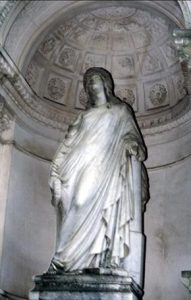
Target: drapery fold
95, 168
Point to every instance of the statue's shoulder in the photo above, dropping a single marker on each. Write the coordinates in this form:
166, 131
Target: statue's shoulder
124, 107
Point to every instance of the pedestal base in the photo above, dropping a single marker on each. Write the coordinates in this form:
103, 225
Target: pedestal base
85, 286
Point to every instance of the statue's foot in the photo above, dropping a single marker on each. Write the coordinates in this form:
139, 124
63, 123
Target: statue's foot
55, 269
51, 270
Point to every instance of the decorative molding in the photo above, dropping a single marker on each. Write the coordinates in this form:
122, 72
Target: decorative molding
5, 69
171, 121
27, 101
186, 10
5, 10
38, 12
57, 115
31, 105
5, 118
60, 59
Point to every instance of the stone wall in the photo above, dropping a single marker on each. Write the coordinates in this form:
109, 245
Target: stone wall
168, 228
29, 229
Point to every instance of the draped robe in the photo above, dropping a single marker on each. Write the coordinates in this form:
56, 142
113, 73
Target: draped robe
97, 200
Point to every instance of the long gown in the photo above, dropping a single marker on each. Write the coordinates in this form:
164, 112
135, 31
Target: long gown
97, 200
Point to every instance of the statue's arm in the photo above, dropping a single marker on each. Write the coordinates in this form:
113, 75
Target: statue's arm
145, 186
65, 146
134, 142
54, 180
135, 146
57, 160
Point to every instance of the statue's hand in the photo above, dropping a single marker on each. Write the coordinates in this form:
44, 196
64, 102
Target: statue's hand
136, 150
56, 188
141, 153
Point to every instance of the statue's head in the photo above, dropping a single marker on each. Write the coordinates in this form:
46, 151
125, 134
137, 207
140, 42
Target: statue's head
98, 78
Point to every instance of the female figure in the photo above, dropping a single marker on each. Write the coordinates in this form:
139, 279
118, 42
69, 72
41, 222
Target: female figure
92, 182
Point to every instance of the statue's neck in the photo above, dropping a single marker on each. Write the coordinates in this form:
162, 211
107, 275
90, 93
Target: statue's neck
100, 99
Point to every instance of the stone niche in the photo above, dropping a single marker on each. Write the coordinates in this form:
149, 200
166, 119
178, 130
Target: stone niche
52, 45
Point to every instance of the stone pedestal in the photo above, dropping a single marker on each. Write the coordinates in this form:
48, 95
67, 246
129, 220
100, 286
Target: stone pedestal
186, 279
85, 286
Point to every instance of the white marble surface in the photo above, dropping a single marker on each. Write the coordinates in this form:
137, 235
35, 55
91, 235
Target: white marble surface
168, 227
5, 163
30, 224
5, 160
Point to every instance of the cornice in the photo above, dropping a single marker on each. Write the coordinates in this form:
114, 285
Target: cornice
186, 12
4, 12
9, 10
5, 118
31, 105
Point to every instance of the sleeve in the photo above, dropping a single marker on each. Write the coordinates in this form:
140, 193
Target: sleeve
64, 148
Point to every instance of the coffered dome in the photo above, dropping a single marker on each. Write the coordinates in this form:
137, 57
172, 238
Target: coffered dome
136, 46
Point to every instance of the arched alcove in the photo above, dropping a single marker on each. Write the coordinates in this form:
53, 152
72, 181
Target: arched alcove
47, 46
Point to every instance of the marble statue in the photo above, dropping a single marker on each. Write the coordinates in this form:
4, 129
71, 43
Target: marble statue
92, 181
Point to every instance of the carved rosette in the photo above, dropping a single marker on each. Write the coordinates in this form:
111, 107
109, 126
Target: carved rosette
56, 88
123, 66
158, 94
46, 48
127, 95
150, 63
67, 58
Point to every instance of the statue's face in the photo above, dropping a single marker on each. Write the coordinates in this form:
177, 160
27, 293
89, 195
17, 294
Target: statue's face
95, 89
95, 85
